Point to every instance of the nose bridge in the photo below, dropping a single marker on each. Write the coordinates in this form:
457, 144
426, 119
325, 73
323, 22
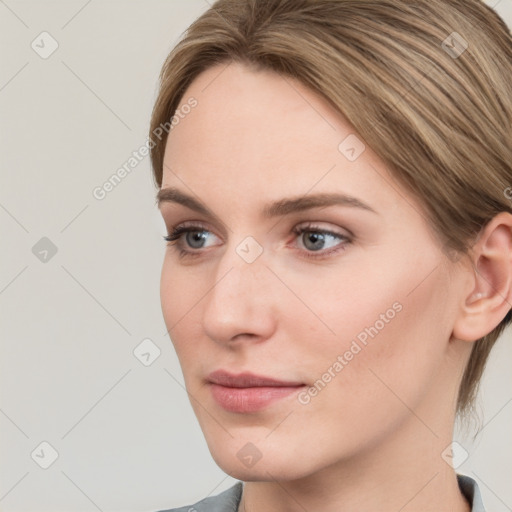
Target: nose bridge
238, 301
242, 268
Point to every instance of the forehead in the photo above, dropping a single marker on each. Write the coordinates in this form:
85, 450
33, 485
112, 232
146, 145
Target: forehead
256, 135
258, 107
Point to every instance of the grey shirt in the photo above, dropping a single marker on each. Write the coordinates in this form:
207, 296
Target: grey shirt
229, 500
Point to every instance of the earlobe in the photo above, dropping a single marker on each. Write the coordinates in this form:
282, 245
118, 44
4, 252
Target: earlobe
490, 295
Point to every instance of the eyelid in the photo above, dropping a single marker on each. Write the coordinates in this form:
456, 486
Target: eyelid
323, 254
182, 228
317, 226
305, 225
172, 217
177, 233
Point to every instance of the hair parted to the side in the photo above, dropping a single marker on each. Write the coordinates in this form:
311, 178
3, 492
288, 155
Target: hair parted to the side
442, 123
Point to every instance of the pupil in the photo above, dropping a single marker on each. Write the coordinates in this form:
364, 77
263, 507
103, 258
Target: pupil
195, 236
315, 237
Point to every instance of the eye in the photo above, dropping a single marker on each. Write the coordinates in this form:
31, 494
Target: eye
194, 236
320, 241
315, 242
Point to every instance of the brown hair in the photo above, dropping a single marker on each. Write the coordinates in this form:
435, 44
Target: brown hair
437, 113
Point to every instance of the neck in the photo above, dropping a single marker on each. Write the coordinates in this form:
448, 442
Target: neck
407, 473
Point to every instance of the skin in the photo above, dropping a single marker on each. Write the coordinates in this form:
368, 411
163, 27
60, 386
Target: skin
372, 438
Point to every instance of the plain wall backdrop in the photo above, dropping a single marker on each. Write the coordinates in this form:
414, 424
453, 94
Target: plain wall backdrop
85, 425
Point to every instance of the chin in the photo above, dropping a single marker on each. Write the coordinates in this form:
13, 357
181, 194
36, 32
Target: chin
262, 472
258, 461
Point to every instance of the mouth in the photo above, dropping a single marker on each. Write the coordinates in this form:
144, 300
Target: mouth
247, 392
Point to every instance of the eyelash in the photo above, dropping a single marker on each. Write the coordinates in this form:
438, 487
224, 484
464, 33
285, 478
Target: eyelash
175, 237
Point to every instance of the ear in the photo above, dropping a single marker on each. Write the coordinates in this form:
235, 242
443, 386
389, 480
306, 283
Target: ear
489, 296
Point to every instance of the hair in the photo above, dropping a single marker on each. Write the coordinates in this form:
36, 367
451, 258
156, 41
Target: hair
438, 114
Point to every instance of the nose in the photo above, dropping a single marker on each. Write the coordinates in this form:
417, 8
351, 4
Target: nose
240, 305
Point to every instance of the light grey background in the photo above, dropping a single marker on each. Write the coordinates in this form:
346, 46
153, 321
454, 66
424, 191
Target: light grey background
125, 433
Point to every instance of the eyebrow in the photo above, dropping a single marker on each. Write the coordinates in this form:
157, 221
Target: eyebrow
276, 209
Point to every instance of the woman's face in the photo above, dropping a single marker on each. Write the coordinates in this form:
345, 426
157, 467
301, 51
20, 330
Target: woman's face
355, 314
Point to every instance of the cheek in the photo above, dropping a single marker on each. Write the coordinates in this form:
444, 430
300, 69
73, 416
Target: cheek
179, 292
388, 302
170, 283
386, 306
358, 301
391, 334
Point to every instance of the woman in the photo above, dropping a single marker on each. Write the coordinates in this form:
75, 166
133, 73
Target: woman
333, 176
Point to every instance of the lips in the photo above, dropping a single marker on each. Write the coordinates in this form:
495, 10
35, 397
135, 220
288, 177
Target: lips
247, 392
247, 380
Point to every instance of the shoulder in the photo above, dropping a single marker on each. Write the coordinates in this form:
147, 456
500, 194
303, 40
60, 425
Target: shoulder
471, 491
229, 500
226, 501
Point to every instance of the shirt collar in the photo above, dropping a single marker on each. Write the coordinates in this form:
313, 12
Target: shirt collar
471, 491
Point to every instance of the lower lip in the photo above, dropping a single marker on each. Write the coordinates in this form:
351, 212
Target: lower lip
249, 399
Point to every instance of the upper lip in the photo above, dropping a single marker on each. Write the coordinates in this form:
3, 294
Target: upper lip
247, 380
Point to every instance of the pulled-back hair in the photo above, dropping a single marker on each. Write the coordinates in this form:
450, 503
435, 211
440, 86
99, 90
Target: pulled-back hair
427, 85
